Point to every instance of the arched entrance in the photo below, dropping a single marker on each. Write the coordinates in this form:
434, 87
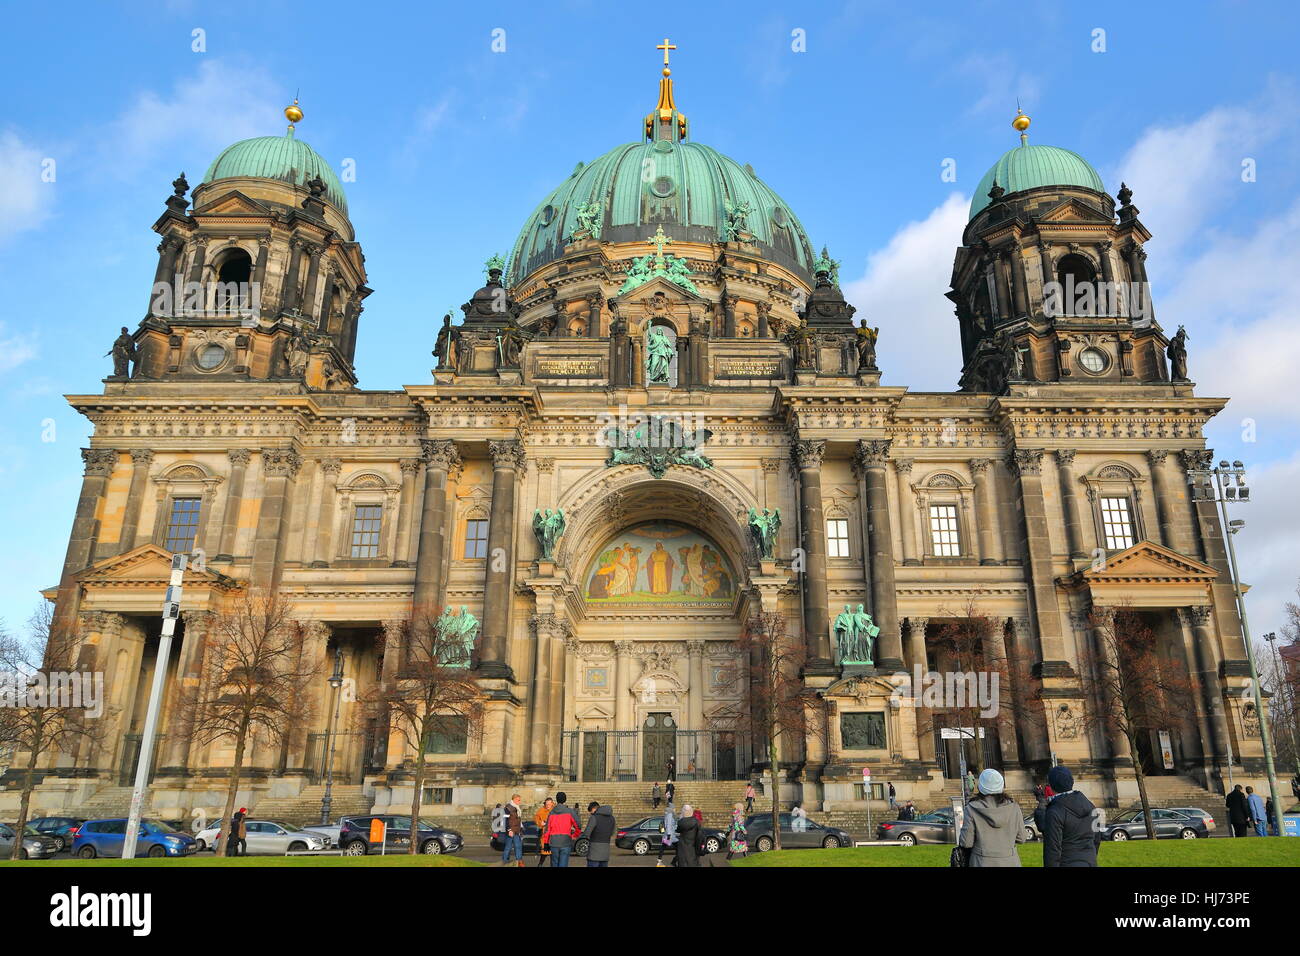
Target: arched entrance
658, 746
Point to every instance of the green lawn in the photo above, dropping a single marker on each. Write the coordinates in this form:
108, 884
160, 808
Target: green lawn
1185, 853
404, 859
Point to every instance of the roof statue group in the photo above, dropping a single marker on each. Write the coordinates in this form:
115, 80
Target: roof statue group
855, 635
456, 635
548, 528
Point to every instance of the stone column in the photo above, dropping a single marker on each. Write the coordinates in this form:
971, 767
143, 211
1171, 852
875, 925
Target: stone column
816, 617
695, 694
622, 688
683, 361
440, 457
729, 303
1070, 502
1021, 649
329, 469
1000, 272
871, 458
546, 629
508, 462
986, 513
239, 458
141, 458
410, 468
1166, 492
259, 268
165, 274
1199, 619
916, 661
315, 644
200, 244
1027, 463
999, 664
189, 673
764, 320
1108, 278
1103, 644
289, 296
308, 307
1202, 706
99, 464
907, 509
279, 466
395, 650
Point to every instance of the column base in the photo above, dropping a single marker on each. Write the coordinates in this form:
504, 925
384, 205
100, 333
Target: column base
496, 669
820, 667
890, 664
319, 564
911, 562
989, 562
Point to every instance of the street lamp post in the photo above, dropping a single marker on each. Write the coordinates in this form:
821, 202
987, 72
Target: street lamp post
336, 682
1224, 484
1288, 699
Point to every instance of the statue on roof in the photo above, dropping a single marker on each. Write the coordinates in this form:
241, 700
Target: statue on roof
317, 186
824, 263
659, 355
1177, 352
589, 216
866, 344
180, 186
737, 215
124, 352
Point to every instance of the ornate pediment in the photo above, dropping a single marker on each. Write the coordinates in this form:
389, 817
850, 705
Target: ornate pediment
147, 566
233, 203
1074, 210
1149, 562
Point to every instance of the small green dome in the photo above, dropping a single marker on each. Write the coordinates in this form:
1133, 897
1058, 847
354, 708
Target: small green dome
683, 186
285, 158
1028, 167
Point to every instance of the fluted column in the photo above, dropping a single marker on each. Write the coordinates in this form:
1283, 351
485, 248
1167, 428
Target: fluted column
141, 458
410, 468
1166, 492
907, 509
986, 513
1070, 502
99, 464
440, 457
315, 644
239, 458
622, 688
507, 464
816, 616
871, 459
279, 466
189, 672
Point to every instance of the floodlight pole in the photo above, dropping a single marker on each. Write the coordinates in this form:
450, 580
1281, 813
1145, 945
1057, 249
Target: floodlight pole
144, 765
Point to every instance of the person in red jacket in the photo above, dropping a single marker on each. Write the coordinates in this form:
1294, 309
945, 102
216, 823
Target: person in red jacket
561, 830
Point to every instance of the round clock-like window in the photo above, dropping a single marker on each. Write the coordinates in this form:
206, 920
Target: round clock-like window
663, 186
547, 215
210, 356
1093, 360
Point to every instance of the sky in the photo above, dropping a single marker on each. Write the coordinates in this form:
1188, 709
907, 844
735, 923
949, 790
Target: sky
458, 119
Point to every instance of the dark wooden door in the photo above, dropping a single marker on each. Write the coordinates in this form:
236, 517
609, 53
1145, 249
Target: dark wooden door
658, 745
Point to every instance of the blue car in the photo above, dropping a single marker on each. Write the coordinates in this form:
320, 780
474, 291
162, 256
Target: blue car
105, 838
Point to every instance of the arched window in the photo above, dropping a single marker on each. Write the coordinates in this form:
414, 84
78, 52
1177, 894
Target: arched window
234, 274
1076, 274
1115, 493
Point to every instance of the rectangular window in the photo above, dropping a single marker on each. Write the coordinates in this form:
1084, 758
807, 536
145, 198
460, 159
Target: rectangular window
366, 521
437, 795
1116, 523
476, 530
451, 738
943, 531
183, 525
837, 538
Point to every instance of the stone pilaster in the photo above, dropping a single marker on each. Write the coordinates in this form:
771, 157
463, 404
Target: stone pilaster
165, 274
410, 468
917, 660
326, 507
440, 457
1205, 671
99, 464
546, 716
622, 685
239, 458
141, 459
986, 513
1166, 493
816, 619
871, 458
695, 692
1070, 502
498, 587
907, 510
1027, 464
279, 467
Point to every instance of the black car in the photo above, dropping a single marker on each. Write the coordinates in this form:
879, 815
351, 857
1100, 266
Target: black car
934, 827
795, 834
354, 836
646, 835
532, 834
60, 829
1169, 825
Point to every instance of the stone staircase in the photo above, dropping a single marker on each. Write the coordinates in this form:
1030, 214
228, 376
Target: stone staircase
107, 802
1171, 791
631, 801
304, 809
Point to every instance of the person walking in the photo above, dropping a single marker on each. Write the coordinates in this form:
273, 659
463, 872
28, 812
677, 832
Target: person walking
1238, 812
736, 840
749, 797
993, 824
688, 838
600, 830
893, 796
970, 783
1268, 812
908, 812
668, 834
1295, 785
540, 818
670, 791
1258, 812
237, 838
699, 816
561, 830
1066, 822
513, 837
672, 769
656, 795
798, 819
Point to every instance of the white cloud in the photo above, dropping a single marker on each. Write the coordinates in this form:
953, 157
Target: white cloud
15, 349
996, 81
1269, 547
902, 291
25, 198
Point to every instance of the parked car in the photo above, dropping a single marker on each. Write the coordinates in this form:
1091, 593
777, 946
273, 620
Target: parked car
1169, 825
267, 838
644, 837
36, 846
1031, 829
354, 836
60, 828
531, 834
106, 837
933, 827
1198, 812
808, 834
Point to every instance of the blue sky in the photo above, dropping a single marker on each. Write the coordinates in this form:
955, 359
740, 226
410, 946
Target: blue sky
454, 145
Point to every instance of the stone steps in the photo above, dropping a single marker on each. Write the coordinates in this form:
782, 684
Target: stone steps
304, 809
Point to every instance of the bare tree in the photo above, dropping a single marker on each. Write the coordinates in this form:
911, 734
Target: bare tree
46, 705
433, 694
1132, 688
255, 680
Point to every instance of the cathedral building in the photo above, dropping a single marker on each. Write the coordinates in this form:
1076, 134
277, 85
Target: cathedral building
656, 422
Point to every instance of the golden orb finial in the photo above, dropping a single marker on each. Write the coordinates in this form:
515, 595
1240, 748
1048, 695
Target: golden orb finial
1021, 122
292, 113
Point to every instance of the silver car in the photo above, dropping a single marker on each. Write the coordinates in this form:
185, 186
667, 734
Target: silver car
269, 838
36, 846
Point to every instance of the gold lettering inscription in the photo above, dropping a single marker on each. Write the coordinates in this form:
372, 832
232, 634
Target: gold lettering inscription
568, 368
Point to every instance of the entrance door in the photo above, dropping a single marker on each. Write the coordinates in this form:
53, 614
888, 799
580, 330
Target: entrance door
593, 755
724, 757
658, 745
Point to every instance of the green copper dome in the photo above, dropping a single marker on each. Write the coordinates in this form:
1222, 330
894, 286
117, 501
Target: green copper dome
684, 186
285, 158
1028, 167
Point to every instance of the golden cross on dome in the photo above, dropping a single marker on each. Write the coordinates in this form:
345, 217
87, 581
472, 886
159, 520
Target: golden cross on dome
666, 46
659, 240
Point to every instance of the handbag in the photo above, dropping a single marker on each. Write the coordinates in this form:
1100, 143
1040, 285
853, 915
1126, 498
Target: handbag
960, 856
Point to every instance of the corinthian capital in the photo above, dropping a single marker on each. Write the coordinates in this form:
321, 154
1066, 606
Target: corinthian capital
99, 461
440, 453
1026, 461
281, 462
871, 453
507, 454
808, 453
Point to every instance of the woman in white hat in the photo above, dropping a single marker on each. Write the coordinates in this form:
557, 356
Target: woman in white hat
993, 824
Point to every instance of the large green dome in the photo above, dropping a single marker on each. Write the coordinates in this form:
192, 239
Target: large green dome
681, 185
1028, 167
285, 158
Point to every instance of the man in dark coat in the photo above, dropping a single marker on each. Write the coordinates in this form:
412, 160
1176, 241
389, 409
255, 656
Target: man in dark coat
236, 839
599, 832
688, 838
1238, 811
1066, 821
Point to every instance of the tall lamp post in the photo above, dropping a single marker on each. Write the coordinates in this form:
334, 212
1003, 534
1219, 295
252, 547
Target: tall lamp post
1222, 485
1288, 699
336, 682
